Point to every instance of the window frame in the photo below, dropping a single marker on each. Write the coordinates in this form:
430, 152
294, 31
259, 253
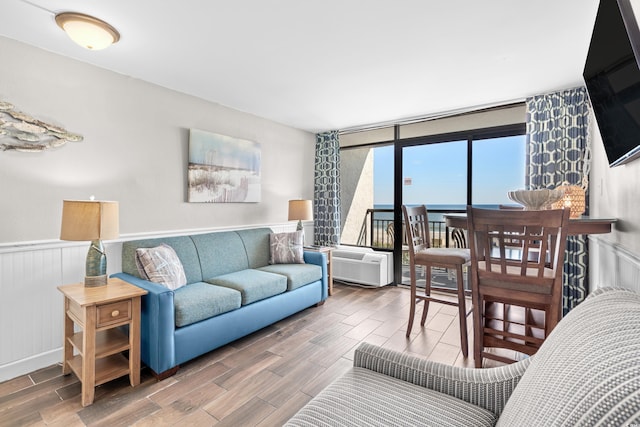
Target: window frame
468, 135
399, 143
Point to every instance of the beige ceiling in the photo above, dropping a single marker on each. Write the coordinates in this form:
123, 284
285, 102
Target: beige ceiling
330, 64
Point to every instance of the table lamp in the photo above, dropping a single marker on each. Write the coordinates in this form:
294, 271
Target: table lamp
300, 210
91, 220
573, 199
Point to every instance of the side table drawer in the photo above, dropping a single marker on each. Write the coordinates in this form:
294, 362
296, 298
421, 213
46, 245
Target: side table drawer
116, 312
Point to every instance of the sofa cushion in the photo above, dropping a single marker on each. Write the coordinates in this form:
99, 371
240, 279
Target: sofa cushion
161, 265
365, 398
256, 243
183, 245
286, 248
199, 301
254, 285
220, 253
297, 274
586, 372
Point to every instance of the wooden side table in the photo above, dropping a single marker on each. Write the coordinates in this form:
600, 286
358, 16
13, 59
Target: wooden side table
327, 250
99, 311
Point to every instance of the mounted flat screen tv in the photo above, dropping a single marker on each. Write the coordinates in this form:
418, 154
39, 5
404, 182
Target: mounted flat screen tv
612, 77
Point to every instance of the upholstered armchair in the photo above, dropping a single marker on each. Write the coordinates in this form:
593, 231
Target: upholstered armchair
587, 372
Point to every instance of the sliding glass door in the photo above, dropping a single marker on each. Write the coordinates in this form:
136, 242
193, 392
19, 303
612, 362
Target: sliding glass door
435, 175
448, 176
444, 172
498, 167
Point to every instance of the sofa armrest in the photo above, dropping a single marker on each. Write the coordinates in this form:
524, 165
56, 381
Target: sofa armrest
488, 388
319, 258
157, 325
313, 257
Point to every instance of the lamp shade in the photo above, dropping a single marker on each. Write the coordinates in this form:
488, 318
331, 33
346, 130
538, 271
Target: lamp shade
89, 220
87, 31
301, 210
573, 199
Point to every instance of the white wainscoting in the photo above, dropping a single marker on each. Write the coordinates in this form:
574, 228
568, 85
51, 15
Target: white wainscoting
612, 265
31, 307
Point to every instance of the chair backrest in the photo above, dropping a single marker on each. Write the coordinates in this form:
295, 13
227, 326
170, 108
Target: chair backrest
459, 238
518, 247
416, 222
587, 372
517, 257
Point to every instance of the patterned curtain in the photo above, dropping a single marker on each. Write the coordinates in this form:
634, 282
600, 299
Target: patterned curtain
558, 153
326, 203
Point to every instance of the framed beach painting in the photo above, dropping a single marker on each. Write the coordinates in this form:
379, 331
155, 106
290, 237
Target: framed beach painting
222, 169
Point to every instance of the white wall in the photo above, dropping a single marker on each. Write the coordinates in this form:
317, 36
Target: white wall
356, 191
134, 151
615, 193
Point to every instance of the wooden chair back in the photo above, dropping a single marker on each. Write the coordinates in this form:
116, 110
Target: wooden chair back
416, 220
517, 259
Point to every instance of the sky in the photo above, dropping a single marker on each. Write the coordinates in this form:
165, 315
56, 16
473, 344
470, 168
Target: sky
207, 148
438, 172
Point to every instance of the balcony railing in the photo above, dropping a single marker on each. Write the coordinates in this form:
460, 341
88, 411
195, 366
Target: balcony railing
377, 230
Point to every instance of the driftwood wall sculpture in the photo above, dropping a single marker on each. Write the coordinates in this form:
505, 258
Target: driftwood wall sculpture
21, 132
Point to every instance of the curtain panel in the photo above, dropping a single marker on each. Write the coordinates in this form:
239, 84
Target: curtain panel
558, 153
326, 198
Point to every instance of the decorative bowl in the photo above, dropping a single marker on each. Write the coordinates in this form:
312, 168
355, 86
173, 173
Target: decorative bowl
536, 200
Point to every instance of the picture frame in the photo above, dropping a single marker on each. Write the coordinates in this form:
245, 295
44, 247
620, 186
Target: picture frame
223, 169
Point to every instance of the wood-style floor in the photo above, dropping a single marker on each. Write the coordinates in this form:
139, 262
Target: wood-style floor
260, 380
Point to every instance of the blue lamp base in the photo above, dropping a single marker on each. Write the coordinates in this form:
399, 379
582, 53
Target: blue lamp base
96, 266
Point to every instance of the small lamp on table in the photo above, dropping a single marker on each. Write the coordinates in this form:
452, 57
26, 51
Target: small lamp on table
91, 220
300, 210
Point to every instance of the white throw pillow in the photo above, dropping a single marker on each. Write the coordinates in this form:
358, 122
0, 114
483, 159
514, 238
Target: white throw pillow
161, 265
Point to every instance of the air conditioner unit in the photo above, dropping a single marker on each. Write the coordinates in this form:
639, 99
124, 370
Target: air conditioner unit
362, 266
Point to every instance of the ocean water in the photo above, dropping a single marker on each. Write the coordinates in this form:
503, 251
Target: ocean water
436, 212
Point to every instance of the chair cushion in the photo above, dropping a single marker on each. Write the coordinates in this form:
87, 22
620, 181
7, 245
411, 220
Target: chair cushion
587, 372
365, 398
297, 274
544, 285
254, 285
443, 255
199, 301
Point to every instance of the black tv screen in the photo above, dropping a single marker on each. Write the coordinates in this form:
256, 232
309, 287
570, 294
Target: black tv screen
612, 78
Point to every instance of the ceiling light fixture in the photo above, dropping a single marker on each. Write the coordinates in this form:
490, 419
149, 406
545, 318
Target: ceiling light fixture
89, 32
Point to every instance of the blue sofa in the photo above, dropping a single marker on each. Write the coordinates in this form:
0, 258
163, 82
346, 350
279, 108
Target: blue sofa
231, 291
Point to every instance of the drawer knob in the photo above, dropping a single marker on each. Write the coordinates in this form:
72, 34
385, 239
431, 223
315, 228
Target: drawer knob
114, 313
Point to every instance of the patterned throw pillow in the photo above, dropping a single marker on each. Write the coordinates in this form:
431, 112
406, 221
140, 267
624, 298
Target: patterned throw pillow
286, 248
161, 265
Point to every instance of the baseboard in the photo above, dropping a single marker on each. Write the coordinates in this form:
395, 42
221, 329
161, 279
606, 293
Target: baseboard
30, 364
